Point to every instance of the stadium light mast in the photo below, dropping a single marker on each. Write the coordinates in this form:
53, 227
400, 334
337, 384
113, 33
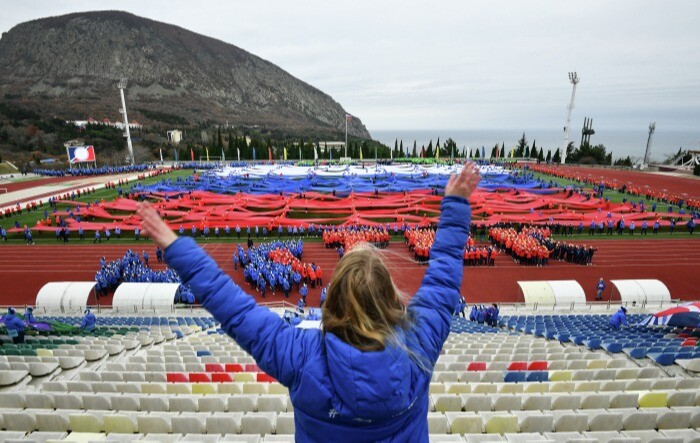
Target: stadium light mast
574, 79
122, 85
647, 154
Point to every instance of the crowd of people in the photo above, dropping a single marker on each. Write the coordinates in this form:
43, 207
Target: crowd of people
88, 171
600, 183
278, 265
533, 246
420, 241
135, 268
347, 237
481, 314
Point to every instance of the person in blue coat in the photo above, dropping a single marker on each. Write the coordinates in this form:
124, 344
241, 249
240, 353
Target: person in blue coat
29, 315
88, 322
366, 374
599, 287
14, 326
619, 318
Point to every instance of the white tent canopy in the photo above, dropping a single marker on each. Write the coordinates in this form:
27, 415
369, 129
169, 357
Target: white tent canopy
67, 296
642, 291
552, 292
145, 295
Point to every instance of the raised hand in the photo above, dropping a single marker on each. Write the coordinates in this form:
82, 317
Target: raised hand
464, 183
154, 226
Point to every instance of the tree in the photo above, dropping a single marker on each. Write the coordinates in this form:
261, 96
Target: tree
527, 152
533, 150
414, 153
520, 147
494, 151
624, 162
540, 157
476, 154
219, 140
557, 157
429, 150
401, 148
549, 156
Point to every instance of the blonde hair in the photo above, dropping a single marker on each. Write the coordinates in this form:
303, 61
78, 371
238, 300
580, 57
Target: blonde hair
363, 306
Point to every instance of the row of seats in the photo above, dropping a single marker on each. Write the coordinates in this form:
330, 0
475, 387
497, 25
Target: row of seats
554, 375
265, 423
146, 403
542, 402
461, 365
663, 436
668, 383
130, 387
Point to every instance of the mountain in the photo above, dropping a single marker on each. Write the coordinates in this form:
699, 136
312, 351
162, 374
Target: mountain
69, 67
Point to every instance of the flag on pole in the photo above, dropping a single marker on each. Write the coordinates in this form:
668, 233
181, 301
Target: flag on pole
330, 152
469, 152
361, 153
285, 153
348, 117
269, 153
422, 152
315, 153
161, 154
207, 149
437, 152
238, 151
299, 152
254, 154
175, 154
512, 153
391, 154
483, 152
223, 155
192, 154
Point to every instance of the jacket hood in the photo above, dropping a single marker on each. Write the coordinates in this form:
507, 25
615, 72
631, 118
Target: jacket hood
371, 386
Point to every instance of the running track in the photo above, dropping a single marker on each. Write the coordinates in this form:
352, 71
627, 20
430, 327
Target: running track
25, 269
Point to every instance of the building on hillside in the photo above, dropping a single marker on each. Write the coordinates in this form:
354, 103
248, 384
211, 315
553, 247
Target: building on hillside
175, 136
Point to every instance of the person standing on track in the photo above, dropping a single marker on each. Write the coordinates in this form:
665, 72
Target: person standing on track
600, 287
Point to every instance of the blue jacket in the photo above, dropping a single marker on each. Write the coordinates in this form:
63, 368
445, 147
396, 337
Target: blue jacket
88, 322
618, 318
14, 322
336, 389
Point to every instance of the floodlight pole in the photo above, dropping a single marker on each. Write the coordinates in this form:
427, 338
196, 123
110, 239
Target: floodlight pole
647, 154
346, 136
574, 79
122, 85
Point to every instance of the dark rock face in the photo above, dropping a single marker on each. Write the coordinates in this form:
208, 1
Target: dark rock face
69, 66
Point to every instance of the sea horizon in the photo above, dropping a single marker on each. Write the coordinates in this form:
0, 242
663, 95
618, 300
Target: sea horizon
621, 143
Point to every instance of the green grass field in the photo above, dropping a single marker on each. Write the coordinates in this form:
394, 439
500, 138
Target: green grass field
5, 168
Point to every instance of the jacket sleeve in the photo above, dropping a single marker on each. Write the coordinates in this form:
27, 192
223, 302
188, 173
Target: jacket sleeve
278, 348
438, 295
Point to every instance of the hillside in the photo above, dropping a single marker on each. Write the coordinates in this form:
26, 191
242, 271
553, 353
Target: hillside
69, 66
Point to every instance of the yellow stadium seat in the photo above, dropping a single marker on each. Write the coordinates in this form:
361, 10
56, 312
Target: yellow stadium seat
653, 400
560, 376
203, 388
44, 353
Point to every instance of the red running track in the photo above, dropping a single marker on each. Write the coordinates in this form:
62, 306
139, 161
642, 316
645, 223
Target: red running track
25, 269
26, 184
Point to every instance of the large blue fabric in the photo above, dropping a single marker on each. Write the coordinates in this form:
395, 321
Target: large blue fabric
340, 393
342, 185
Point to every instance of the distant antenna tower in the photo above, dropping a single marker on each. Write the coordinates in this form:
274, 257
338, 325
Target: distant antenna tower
122, 85
573, 78
647, 154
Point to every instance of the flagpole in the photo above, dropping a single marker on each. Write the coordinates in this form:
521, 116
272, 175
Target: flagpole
346, 136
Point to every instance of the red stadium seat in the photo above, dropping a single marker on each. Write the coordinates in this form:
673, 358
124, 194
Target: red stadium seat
199, 377
264, 378
252, 368
518, 366
690, 342
221, 377
176, 377
233, 367
214, 367
537, 366
476, 366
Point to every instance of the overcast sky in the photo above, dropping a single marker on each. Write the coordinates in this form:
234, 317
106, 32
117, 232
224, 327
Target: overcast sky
458, 64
